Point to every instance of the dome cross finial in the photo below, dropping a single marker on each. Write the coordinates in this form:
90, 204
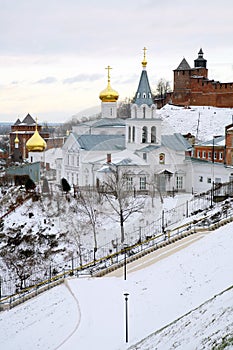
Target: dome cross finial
108, 68
144, 61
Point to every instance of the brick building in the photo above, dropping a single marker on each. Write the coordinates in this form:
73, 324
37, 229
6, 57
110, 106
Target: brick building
193, 87
217, 150
23, 131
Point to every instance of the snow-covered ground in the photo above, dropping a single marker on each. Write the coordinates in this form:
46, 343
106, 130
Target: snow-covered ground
201, 121
89, 313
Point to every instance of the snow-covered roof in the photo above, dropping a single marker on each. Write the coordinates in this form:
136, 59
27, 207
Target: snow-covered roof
100, 142
175, 141
216, 141
104, 122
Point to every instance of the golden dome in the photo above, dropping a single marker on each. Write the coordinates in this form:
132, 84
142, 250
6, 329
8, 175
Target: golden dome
108, 94
16, 138
36, 143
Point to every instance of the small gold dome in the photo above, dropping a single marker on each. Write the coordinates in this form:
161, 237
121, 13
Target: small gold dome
36, 143
16, 138
108, 94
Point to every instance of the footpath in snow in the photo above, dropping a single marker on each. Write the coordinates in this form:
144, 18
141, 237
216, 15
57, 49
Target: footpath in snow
92, 316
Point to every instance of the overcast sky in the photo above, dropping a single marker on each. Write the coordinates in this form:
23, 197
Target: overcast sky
53, 53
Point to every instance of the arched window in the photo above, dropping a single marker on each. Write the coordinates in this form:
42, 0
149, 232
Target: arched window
129, 134
144, 95
133, 134
144, 134
138, 94
162, 158
152, 112
153, 134
144, 112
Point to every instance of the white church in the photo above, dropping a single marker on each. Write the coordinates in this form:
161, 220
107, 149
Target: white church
137, 146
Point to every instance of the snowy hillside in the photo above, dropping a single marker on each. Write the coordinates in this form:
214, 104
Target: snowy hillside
202, 122
88, 313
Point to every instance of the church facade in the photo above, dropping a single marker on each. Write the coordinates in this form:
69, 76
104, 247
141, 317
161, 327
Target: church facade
137, 147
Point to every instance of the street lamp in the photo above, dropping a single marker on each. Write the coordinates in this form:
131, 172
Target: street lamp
125, 261
126, 316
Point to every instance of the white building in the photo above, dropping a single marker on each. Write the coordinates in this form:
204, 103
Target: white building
137, 146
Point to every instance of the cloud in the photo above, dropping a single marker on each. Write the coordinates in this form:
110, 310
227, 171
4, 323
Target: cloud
47, 80
82, 77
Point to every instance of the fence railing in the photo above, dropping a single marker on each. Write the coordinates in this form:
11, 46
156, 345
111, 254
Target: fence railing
162, 230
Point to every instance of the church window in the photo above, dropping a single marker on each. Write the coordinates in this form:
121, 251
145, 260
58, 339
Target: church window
152, 112
77, 161
133, 134
144, 112
138, 95
129, 183
142, 183
135, 112
144, 156
179, 182
162, 158
144, 134
129, 134
144, 95
149, 95
153, 134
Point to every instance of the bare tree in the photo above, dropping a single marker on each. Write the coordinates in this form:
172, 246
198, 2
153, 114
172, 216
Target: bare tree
163, 87
121, 198
88, 202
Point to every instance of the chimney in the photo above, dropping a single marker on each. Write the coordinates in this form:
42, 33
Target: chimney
109, 158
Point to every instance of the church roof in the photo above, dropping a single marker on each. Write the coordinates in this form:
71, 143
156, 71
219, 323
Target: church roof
105, 122
18, 121
175, 141
143, 94
183, 65
100, 142
28, 120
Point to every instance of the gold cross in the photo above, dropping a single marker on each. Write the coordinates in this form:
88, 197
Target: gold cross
144, 49
108, 68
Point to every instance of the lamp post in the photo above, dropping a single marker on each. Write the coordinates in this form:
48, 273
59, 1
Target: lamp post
125, 262
0, 287
126, 317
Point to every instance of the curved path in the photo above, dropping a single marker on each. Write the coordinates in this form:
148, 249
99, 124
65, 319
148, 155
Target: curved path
79, 319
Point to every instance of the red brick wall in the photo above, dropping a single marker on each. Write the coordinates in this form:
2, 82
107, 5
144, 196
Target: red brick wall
189, 89
207, 149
